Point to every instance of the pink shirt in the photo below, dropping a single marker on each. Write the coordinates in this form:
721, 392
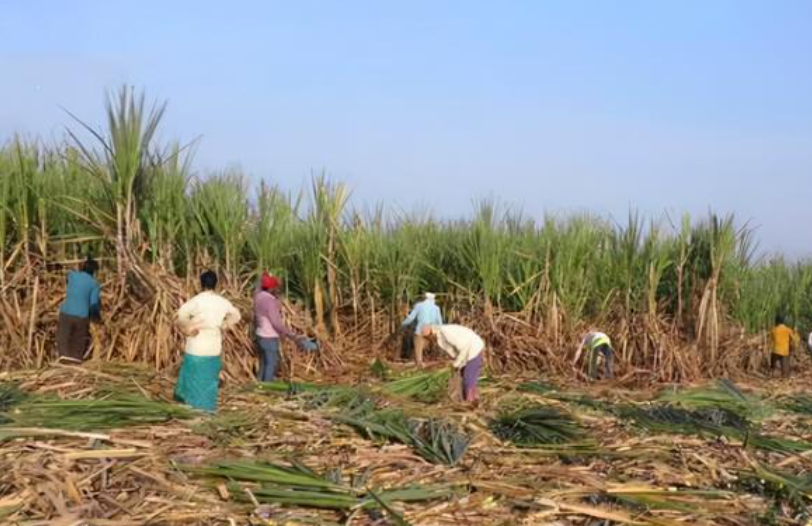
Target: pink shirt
268, 322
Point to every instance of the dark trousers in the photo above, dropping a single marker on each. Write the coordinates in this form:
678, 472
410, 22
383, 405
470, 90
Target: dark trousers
268, 350
72, 337
776, 359
608, 358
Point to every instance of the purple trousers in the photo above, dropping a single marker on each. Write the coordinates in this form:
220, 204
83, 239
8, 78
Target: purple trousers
470, 376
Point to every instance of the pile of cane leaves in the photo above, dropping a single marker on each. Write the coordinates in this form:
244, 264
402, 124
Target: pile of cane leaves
113, 411
552, 392
536, 426
800, 404
428, 387
298, 485
284, 387
688, 501
783, 487
10, 396
708, 422
724, 395
676, 420
436, 440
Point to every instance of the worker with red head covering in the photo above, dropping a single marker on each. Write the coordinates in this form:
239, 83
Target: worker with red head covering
269, 326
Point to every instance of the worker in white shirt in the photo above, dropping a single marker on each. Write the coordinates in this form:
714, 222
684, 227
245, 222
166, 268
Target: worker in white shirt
202, 320
465, 347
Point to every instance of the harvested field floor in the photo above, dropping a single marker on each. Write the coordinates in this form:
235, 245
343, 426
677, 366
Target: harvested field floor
102, 445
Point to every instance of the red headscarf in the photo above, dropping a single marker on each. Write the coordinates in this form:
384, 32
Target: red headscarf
268, 282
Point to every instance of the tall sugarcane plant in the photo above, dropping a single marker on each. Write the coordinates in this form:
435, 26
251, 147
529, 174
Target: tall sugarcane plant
117, 193
119, 157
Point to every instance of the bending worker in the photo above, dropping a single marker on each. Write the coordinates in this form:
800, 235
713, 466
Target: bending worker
82, 304
597, 343
466, 348
424, 313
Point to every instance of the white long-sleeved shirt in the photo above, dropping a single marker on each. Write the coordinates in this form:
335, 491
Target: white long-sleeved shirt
460, 343
209, 313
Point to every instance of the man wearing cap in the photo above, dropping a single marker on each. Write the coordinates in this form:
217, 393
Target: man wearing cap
424, 313
269, 325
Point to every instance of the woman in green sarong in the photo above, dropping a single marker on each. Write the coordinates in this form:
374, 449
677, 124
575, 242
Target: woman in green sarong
202, 320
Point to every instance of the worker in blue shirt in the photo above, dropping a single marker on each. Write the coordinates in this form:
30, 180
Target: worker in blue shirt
424, 313
82, 304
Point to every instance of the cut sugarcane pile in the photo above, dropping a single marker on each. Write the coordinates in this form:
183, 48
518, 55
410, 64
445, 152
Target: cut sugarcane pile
104, 445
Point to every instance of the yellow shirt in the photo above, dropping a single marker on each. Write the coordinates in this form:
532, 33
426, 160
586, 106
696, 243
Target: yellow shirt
782, 337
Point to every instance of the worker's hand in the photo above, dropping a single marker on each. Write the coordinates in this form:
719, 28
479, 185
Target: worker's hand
190, 332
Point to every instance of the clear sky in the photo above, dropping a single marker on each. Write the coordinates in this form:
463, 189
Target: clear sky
555, 106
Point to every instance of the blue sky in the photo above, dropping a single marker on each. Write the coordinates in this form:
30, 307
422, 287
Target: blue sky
554, 106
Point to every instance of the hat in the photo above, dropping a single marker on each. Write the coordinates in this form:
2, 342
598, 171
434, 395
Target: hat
430, 295
268, 282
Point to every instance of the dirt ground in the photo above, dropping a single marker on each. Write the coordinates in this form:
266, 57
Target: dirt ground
627, 475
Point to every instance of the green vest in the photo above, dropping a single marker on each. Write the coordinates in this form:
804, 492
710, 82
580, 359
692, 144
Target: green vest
599, 340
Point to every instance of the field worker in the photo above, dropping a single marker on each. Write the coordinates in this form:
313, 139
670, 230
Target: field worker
269, 325
82, 304
202, 319
783, 339
597, 343
465, 347
424, 313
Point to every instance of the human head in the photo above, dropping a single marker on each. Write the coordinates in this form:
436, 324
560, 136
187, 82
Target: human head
430, 296
779, 319
268, 282
90, 266
208, 280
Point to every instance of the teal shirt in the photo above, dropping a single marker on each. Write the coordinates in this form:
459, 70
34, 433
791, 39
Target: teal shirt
82, 297
426, 313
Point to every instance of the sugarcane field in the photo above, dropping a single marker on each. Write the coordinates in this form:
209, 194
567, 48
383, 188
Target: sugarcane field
175, 352
415, 263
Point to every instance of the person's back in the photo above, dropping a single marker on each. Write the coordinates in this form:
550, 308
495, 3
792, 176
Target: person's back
201, 319
597, 344
264, 302
595, 339
424, 314
82, 303
782, 338
82, 297
455, 339
427, 313
208, 313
